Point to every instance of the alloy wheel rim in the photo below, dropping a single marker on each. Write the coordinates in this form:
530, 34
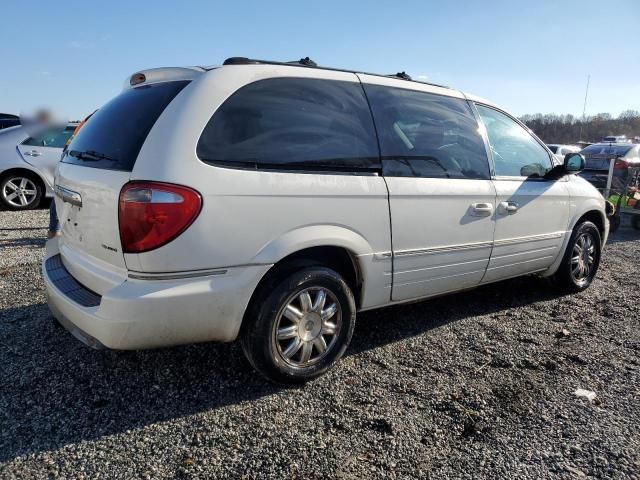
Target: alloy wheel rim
307, 327
583, 257
19, 191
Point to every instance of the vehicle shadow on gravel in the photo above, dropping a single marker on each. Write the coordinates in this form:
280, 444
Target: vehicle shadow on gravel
22, 242
624, 234
55, 391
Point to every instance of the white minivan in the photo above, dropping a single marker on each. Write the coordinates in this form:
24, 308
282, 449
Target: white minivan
271, 201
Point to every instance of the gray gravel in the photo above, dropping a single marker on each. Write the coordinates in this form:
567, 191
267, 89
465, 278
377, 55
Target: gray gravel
475, 385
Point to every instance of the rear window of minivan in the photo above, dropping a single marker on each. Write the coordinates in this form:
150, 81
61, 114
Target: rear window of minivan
293, 124
113, 136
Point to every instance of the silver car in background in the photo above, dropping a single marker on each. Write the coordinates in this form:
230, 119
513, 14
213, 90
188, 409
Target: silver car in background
559, 151
27, 164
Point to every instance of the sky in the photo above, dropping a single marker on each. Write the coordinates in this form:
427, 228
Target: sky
528, 57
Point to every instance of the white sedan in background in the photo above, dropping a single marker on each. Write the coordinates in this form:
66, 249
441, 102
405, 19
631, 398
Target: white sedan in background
27, 164
559, 151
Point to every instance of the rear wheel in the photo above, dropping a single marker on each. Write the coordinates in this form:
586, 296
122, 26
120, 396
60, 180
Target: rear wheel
20, 191
298, 330
581, 259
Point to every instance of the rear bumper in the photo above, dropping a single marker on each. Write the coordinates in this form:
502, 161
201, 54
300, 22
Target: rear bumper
140, 314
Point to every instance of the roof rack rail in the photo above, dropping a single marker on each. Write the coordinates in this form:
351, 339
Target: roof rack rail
402, 75
307, 62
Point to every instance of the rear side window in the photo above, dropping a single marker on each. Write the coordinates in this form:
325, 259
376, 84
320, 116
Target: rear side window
53, 138
427, 135
114, 135
293, 123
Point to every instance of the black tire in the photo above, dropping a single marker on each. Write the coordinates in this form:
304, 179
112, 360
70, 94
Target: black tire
566, 278
635, 219
16, 179
265, 317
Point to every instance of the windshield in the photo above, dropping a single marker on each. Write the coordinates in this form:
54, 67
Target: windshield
553, 148
113, 136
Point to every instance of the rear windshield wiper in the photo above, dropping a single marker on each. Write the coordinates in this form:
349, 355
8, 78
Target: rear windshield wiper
91, 156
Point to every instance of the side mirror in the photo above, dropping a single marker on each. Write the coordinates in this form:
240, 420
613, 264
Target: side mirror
574, 162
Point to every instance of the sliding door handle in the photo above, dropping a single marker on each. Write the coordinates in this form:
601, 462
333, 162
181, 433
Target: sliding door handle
509, 207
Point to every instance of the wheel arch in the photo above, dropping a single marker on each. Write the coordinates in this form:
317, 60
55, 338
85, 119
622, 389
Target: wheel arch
335, 247
591, 211
597, 218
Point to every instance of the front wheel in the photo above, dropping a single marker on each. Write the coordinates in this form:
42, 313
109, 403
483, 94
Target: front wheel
299, 329
581, 259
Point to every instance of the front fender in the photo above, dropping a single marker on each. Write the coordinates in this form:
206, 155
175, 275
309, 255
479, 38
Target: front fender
585, 206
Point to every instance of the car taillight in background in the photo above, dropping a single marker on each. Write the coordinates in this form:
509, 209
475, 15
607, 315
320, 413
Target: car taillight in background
151, 214
620, 164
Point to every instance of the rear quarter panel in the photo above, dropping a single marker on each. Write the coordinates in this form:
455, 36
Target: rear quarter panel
258, 217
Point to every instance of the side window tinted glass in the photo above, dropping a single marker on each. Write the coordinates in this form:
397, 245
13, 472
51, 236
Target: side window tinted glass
516, 153
292, 123
53, 138
427, 135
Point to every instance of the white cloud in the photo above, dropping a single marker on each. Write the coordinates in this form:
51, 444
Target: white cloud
80, 44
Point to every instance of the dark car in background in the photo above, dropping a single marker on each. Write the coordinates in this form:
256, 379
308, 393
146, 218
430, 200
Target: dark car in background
8, 120
598, 156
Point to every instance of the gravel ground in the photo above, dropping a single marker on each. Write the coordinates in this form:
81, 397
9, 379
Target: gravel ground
476, 385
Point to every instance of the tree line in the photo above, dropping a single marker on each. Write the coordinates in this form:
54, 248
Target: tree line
553, 128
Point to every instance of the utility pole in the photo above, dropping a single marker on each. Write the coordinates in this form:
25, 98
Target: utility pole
584, 107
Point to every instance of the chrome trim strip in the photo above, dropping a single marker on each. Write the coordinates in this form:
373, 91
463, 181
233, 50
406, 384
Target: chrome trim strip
69, 196
174, 276
446, 249
478, 245
530, 238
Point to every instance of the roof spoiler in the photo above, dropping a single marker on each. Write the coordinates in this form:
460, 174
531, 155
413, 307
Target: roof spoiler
163, 74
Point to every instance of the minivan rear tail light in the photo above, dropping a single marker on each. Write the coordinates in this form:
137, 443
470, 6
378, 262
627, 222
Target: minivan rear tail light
151, 214
620, 164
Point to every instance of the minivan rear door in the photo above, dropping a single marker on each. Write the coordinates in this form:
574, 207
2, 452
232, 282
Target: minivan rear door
93, 170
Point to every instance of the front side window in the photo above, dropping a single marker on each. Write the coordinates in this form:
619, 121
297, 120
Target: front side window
515, 152
292, 123
427, 135
54, 138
